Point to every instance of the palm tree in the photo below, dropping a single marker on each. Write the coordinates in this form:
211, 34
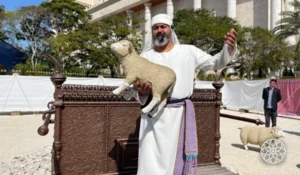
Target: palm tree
289, 25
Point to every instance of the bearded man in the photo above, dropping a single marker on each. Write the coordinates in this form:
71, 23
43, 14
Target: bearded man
168, 140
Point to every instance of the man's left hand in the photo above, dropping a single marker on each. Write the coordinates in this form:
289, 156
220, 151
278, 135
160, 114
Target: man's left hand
230, 39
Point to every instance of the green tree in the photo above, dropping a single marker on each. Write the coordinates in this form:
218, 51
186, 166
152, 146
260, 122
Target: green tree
203, 29
80, 48
115, 28
29, 25
89, 46
66, 15
2, 12
35, 25
289, 25
260, 51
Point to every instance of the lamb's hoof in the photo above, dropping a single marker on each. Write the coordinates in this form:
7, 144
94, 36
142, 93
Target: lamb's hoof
246, 147
116, 92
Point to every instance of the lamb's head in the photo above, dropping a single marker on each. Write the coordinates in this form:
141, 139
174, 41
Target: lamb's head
122, 48
277, 132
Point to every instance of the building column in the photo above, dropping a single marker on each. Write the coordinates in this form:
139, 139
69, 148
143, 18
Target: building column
129, 22
129, 15
170, 8
275, 12
231, 8
147, 23
197, 4
147, 17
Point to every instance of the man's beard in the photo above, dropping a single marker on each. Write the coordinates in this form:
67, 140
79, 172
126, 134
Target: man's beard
161, 39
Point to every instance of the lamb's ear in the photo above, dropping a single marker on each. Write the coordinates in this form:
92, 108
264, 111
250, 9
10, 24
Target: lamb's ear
130, 47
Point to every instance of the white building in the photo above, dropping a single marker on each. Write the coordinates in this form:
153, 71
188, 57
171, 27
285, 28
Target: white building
250, 13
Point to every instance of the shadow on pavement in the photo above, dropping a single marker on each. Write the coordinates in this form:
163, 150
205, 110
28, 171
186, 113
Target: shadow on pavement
251, 148
292, 132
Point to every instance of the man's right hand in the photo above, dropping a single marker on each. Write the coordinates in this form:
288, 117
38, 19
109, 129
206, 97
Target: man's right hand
144, 88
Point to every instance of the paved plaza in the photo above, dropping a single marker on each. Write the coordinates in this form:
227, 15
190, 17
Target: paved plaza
235, 158
19, 137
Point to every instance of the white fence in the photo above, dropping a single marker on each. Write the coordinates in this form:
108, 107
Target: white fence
32, 93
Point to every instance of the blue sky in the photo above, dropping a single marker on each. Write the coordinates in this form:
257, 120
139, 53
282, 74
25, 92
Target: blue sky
15, 4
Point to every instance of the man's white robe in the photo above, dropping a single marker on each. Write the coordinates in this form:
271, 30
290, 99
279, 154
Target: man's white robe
159, 135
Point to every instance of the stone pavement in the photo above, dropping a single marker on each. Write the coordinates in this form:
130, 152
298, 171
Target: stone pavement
238, 160
18, 135
22, 150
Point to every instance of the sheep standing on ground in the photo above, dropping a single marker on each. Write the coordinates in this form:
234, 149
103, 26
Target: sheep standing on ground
258, 135
136, 68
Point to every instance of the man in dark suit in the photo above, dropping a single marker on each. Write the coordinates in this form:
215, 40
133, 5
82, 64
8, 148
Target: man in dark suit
271, 96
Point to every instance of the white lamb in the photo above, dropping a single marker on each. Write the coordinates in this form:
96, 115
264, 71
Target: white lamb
258, 135
136, 68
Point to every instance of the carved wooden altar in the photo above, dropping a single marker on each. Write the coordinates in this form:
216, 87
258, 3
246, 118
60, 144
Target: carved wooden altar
96, 132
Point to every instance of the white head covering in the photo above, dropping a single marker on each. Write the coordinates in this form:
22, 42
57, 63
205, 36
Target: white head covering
159, 19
